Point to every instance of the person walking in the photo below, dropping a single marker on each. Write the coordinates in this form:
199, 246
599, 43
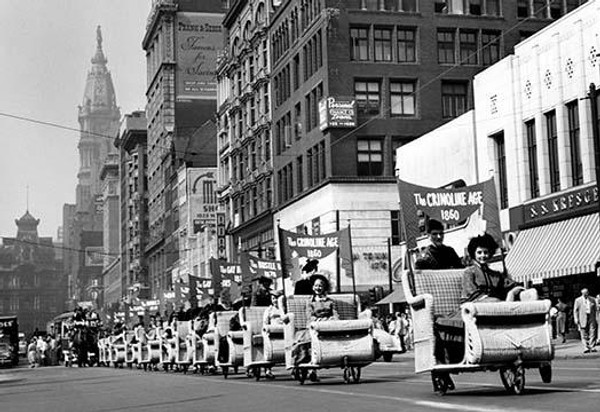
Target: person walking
584, 313
561, 319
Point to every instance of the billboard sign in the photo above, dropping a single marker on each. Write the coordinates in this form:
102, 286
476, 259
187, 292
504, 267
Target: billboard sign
337, 112
199, 36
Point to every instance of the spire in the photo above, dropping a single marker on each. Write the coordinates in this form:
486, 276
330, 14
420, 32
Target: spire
99, 56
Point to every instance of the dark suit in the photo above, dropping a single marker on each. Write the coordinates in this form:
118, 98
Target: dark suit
439, 257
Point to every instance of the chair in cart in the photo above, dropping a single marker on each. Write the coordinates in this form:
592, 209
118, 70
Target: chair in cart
346, 343
499, 336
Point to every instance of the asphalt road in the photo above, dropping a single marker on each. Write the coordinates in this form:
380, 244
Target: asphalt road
384, 387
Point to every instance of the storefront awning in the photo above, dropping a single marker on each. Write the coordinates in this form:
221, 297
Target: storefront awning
396, 296
563, 248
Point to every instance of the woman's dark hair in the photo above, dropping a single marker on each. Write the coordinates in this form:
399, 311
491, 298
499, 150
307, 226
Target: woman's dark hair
310, 265
318, 276
484, 241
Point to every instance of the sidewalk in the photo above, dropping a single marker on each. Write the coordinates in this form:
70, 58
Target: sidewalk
573, 349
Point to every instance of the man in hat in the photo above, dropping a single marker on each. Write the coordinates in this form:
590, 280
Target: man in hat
262, 296
304, 285
437, 255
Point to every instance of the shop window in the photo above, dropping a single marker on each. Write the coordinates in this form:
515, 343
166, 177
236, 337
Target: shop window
403, 98
370, 157
454, 98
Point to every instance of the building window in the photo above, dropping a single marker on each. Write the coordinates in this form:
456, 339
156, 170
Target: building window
359, 38
540, 9
316, 226
37, 303
395, 226
445, 46
534, 186
490, 51
406, 45
441, 6
468, 47
501, 169
576, 165
14, 304
454, 98
298, 121
370, 157
407, 5
367, 95
299, 175
552, 139
383, 45
296, 71
402, 98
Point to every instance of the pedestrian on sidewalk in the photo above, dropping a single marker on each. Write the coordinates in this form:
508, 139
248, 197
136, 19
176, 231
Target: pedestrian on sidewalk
584, 313
561, 319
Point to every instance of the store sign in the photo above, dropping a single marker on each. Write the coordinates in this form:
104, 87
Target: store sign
221, 236
563, 204
337, 112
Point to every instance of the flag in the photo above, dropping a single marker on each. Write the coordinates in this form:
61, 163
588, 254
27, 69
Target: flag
227, 280
254, 268
449, 206
201, 290
297, 248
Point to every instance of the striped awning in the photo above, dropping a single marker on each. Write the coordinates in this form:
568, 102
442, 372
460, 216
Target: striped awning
558, 249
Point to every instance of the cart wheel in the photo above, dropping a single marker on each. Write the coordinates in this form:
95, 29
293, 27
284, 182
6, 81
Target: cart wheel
387, 356
356, 375
513, 379
347, 374
546, 373
257, 374
440, 385
303, 375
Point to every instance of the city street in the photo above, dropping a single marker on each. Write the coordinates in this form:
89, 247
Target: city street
385, 387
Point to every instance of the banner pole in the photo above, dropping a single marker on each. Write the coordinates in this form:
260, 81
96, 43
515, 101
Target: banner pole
283, 267
351, 259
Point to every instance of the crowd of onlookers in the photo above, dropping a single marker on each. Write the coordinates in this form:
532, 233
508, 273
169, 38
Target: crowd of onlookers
43, 351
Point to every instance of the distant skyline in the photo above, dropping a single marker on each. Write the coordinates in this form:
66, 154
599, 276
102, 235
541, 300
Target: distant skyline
45, 52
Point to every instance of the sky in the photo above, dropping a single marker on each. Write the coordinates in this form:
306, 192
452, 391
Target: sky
45, 52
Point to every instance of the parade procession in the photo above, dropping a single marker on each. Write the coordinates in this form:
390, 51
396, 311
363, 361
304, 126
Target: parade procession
291, 205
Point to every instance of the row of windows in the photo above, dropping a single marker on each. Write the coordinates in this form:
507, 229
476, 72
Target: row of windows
314, 170
387, 5
14, 303
546, 9
403, 97
250, 156
468, 47
469, 7
551, 141
254, 200
377, 43
287, 127
289, 77
291, 27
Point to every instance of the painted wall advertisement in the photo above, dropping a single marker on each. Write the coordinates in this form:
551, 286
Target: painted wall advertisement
199, 36
337, 112
202, 189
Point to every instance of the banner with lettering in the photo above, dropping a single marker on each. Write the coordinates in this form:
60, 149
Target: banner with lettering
254, 268
227, 280
297, 248
449, 206
201, 290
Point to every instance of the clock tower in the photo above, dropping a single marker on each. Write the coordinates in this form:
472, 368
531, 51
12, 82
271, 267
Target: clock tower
99, 122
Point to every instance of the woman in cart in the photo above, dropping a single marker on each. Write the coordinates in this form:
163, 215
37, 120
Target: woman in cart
319, 307
480, 283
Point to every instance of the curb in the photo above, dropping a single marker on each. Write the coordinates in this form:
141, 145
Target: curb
9, 379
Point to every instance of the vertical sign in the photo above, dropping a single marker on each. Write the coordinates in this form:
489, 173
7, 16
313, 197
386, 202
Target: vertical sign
199, 37
221, 238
